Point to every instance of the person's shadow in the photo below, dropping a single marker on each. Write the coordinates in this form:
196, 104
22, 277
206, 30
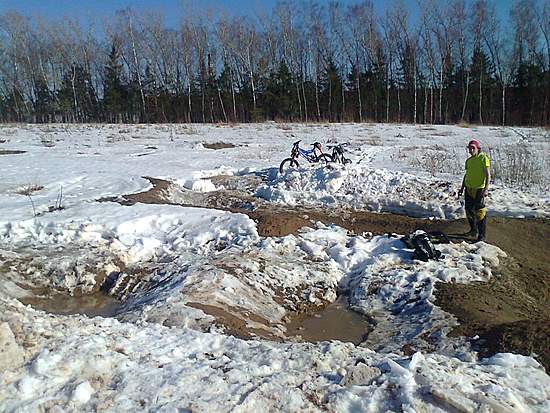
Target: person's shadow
463, 237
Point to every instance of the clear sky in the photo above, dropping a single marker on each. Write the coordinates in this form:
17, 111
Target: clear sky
88, 10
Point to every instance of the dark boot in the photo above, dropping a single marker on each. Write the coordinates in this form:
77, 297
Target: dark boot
481, 229
473, 230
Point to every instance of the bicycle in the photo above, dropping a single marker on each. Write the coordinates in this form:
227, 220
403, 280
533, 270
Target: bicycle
338, 153
309, 155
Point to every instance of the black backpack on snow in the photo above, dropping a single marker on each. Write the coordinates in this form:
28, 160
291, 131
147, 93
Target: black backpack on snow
422, 244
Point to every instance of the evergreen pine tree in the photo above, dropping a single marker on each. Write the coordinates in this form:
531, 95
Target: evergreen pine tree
115, 96
78, 104
278, 95
331, 91
43, 101
481, 79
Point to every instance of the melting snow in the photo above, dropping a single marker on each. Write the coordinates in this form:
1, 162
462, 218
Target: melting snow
163, 353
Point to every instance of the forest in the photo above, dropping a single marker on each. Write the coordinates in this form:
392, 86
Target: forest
450, 62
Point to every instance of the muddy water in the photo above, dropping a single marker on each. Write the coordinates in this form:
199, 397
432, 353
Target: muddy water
96, 304
335, 322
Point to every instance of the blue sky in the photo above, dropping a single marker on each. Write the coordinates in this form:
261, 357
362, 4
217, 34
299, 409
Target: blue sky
88, 10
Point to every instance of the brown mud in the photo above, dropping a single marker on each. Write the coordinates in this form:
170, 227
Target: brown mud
10, 152
95, 304
218, 145
509, 313
334, 322
234, 321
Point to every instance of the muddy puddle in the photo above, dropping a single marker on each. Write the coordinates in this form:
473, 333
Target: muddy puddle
335, 322
510, 313
92, 305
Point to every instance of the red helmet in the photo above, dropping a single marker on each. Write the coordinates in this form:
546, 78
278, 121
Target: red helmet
475, 143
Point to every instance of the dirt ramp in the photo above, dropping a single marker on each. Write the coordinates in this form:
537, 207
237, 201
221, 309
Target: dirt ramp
511, 312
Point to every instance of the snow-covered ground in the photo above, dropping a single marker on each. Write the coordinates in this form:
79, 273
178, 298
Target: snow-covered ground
162, 352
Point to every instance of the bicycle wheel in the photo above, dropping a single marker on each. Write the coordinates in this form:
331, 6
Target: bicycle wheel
346, 161
325, 158
287, 164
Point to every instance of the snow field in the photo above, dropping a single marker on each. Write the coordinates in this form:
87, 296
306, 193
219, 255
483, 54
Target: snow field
163, 354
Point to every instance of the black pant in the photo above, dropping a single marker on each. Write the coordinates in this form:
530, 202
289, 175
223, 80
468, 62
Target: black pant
476, 211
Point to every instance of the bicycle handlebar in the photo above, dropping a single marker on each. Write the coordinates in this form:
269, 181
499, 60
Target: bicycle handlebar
340, 144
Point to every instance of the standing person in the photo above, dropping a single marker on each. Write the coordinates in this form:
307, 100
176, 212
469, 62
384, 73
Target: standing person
476, 182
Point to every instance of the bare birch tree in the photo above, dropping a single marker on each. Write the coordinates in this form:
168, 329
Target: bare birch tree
500, 48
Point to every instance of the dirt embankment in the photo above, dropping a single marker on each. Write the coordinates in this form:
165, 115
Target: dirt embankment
510, 313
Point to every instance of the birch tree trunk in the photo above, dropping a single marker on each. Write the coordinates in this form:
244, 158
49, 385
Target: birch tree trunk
425, 104
480, 94
503, 104
298, 94
466, 93
136, 65
431, 104
398, 105
415, 95
387, 95
330, 100
233, 93
342, 118
359, 103
441, 92
317, 97
305, 97
251, 74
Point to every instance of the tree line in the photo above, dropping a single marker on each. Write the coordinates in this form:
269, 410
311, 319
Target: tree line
456, 61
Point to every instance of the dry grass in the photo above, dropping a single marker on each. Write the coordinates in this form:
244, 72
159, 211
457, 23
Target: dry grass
29, 189
434, 159
519, 166
373, 140
228, 124
188, 130
283, 126
443, 133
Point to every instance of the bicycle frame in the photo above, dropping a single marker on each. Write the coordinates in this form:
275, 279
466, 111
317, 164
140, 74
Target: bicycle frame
338, 153
309, 155
312, 156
